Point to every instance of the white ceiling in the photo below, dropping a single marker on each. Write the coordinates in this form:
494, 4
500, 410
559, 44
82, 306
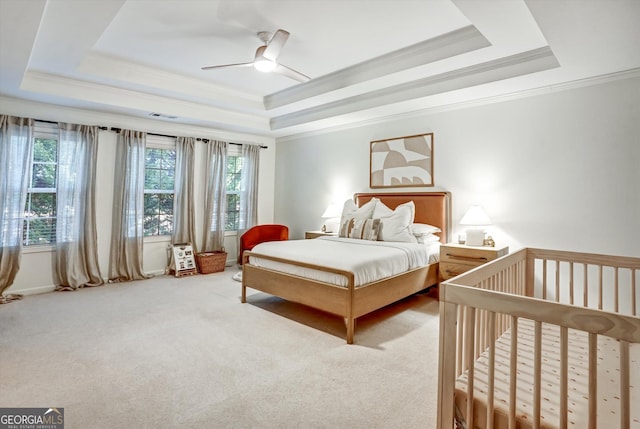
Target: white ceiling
367, 59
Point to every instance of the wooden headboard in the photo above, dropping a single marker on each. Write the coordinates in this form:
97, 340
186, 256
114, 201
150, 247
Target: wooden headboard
433, 208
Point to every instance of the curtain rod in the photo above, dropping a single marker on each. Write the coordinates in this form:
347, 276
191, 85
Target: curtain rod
117, 130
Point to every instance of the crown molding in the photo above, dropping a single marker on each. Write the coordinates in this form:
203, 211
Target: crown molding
113, 96
542, 90
57, 113
111, 67
450, 44
503, 68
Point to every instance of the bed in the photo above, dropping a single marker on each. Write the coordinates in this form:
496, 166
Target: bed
541, 339
349, 299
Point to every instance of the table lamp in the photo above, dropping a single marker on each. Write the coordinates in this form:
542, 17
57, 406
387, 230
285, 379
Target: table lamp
476, 218
332, 217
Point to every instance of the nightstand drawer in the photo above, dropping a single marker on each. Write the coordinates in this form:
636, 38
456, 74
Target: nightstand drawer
456, 259
450, 269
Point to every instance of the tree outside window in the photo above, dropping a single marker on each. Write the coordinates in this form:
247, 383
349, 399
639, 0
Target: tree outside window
159, 177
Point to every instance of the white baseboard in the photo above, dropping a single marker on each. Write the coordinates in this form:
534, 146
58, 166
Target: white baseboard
33, 290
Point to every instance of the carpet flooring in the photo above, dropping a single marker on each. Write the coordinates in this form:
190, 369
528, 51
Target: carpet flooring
185, 353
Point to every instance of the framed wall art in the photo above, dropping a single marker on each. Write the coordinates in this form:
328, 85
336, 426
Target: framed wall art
402, 162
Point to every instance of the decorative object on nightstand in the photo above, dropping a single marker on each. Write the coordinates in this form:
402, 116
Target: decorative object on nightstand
332, 218
456, 259
316, 234
476, 218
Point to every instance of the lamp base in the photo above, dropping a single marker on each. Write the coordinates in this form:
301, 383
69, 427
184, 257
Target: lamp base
475, 237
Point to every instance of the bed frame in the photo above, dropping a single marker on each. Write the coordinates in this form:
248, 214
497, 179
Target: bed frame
350, 302
591, 296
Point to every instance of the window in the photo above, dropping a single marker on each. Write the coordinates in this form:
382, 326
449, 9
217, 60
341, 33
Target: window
234, 184
39, 226
159, 176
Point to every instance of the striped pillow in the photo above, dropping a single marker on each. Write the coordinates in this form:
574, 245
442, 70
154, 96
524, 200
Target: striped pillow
364, 229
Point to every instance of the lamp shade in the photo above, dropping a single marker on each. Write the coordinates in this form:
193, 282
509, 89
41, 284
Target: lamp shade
475, 216
333, 210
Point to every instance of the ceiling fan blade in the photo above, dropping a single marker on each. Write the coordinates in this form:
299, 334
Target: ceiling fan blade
289, 72
276, 43
228, 65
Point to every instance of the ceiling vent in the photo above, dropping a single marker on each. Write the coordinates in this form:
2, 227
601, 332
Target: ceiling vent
162, 115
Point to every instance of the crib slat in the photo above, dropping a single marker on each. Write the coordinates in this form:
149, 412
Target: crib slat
537, 374
634, 307
492, 368
625, 410
564, 369
600, 287
544, 279
585, 287
513, 374
557, 299
593, 380
459, 338
571, 283
615, 292
470, 361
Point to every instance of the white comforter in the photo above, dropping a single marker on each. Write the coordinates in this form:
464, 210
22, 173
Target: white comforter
368, 260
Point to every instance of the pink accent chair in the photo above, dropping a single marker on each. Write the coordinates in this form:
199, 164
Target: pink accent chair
260, 234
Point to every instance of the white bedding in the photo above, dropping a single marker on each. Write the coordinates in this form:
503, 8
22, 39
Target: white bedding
368, 260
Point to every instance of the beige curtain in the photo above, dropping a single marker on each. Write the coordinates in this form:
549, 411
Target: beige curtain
183, 198
215, 196
16, 146
76, 255
248, 215
125, 261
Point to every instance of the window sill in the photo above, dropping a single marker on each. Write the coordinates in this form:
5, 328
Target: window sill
38, 249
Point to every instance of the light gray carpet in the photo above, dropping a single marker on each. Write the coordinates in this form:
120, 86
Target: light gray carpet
184, 352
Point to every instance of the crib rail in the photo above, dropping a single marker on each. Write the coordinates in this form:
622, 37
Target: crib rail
566, 289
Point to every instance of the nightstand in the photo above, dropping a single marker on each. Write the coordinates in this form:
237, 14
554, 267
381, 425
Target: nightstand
316, 234
456, 259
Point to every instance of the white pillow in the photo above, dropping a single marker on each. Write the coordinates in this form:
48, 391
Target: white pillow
397, 225
427, 238
419, 229
352, 212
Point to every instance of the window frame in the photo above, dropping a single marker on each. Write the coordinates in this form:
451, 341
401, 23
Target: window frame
44, 131
163, 143
233, 150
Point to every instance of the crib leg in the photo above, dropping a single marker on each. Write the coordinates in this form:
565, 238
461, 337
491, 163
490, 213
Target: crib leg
243, 299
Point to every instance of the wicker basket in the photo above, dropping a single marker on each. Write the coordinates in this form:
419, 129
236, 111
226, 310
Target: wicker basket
211, 262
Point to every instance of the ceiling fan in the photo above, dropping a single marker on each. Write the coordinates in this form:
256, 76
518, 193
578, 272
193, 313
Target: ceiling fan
266, 57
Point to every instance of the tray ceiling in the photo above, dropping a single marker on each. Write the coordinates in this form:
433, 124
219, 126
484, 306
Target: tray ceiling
367, 59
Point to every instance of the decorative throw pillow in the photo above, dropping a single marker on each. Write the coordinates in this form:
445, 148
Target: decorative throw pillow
352, 212
397, 225
366, 229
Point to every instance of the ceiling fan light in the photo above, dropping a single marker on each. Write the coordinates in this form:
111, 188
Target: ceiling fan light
264, 65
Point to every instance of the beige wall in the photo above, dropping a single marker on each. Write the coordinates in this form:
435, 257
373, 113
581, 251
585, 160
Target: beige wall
36, 272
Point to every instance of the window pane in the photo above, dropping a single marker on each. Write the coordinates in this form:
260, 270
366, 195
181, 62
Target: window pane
41, 205
166, 180
153, 158
43, 176
165, 204
151, 204
168, 159
39, 231
152, 179
45, 150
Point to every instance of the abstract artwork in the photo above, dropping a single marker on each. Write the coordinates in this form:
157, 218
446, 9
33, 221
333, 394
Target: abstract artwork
402, 162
